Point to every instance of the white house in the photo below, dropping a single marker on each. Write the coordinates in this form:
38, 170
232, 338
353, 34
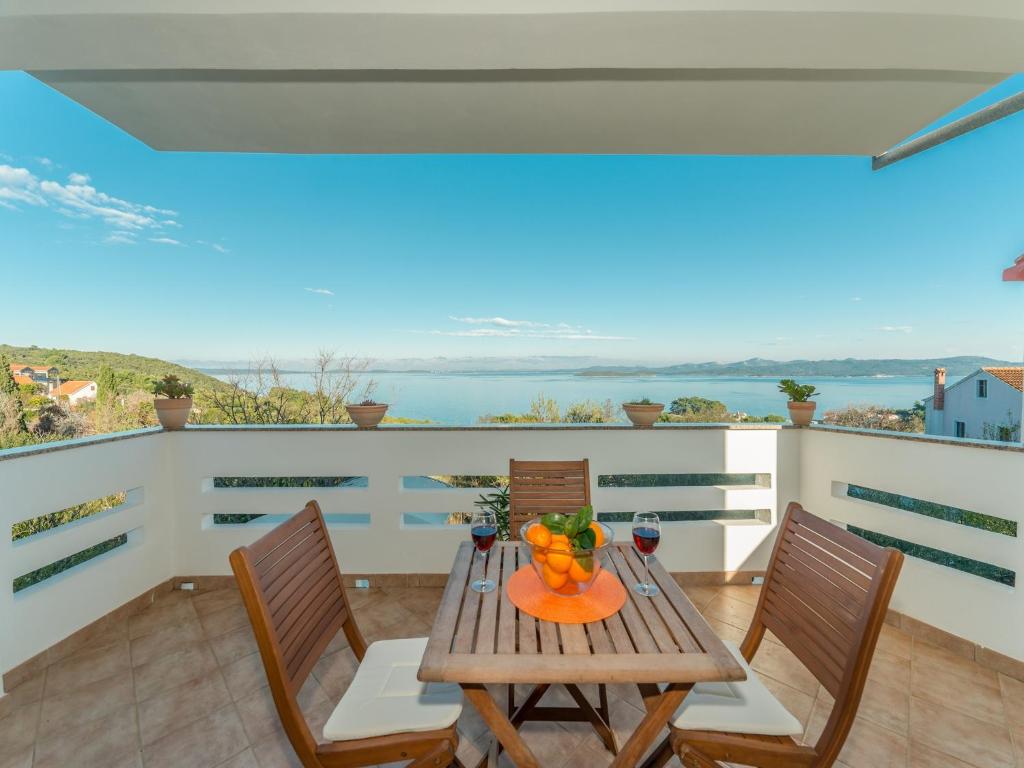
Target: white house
986, 405
75, 391
39, 374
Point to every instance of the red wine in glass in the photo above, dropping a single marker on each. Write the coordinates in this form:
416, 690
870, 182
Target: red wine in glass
646, 539
483, 528
483, 536
646, 536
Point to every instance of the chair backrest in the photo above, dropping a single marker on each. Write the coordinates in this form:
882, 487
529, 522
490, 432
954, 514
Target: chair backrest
539, 487
825, 597
293, 592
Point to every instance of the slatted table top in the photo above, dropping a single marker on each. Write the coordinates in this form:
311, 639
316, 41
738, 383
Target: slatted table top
484, 638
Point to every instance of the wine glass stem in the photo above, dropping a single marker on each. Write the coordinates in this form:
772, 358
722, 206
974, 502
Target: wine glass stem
647, 574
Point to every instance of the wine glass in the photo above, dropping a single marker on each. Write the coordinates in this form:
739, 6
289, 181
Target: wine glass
484, 529
646, 535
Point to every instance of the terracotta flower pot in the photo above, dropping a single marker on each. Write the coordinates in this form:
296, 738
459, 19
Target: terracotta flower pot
366, 416
643, 415
801, 413
173, 412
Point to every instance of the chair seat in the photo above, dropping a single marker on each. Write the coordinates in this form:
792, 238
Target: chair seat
740, 707
386, 698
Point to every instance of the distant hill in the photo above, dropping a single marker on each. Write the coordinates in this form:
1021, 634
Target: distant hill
956, 366
76, 364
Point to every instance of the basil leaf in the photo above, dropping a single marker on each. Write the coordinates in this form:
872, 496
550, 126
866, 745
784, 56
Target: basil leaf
554, 522
572, 526
585, 517
586, 539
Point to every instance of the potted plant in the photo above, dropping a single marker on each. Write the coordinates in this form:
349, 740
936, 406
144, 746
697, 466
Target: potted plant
801, 409
367, 414
643, 413
173, 401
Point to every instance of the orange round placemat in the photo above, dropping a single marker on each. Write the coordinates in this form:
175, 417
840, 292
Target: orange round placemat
527, 593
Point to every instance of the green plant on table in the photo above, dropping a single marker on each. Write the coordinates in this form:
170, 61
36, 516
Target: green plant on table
497, 502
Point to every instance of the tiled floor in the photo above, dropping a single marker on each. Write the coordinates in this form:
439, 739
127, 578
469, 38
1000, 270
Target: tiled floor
181, 685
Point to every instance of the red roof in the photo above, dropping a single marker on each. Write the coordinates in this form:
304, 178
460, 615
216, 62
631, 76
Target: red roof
1014, 376
19, 380
69, 388
16, 367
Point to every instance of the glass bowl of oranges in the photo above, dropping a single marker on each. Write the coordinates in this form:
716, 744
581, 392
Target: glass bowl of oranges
566, 550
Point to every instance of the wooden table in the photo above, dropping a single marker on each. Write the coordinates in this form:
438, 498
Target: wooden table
484, 639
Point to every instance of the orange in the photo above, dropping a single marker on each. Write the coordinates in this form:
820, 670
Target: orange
559, 538
554, 579
577, 571
540, 555
598, 533
559, 558
539, 535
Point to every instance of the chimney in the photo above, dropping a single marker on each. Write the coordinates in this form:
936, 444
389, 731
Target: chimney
939, 401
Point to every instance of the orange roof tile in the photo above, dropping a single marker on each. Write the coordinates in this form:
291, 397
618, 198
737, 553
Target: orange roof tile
69, 388
22, 366
1014, 376
19, 380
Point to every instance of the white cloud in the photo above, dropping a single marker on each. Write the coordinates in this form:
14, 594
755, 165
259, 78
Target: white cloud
503, 328
321, 291
45, 161
123, 238
896, 329
856, 298
78, 199
165, 240
219, 248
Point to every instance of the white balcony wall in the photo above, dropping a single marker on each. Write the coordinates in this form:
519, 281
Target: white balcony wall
44, 482
168, 514
973, 477
388, 545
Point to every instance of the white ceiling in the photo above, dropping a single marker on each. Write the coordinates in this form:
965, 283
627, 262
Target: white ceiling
675, 76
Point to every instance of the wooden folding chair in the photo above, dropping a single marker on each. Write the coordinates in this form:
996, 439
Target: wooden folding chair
293, 592
824, 598
535, 489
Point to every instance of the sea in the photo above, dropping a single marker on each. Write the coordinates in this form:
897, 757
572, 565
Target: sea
462, 398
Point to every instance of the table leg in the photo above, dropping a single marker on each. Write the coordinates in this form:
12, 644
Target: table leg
500, 725
660, 709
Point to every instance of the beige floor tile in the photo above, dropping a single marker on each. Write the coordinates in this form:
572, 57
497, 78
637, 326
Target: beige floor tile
726, 631
259, 714
165, 672
224, 620
18, 729
895, 642
890, 669
16, 758
275, 751
101, 634
87, 666
1013, 699
975, 741
25, 693
214, 600
868, 745
779, 663
550, 743
77, 706
233, 645
335, 673
203, 744
160, 616
177, 707
735, 612
929, 657
701, 596
922, 756
165, 641
102, 743
745, 594
975, 695
245, 759
245, 675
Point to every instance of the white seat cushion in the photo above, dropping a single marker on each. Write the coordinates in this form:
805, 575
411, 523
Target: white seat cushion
743, 707
385, 697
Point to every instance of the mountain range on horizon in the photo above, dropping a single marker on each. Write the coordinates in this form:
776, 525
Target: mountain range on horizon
584, 366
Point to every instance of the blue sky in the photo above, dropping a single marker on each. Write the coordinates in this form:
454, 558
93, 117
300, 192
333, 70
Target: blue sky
107, 244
